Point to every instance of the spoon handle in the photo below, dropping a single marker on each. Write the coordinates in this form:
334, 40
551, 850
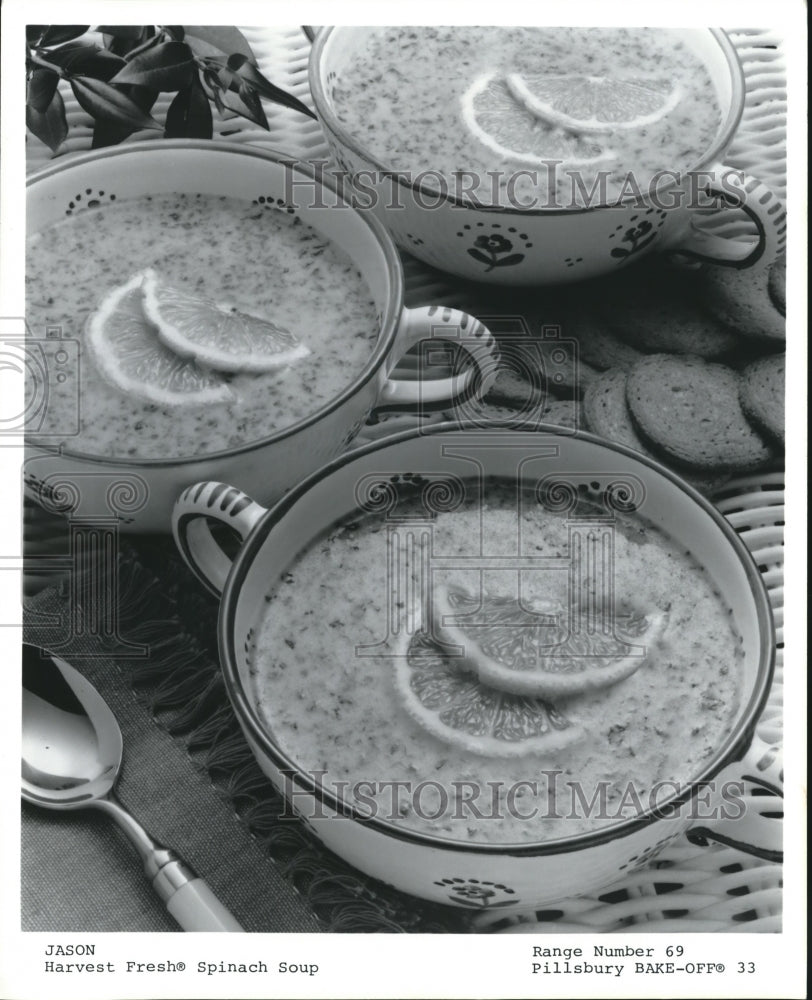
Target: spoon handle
187, 896
189, 899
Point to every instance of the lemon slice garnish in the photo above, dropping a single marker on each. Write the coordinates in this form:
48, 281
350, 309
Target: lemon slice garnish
536, 653
502, 123
593, 104
126, 350
216, 335
460, 710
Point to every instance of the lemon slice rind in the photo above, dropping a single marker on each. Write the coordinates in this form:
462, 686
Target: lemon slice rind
520, 89
471, 120
127, 353
592, 673
499, 724
229, 341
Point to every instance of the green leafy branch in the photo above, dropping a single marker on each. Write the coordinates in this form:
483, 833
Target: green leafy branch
117, 72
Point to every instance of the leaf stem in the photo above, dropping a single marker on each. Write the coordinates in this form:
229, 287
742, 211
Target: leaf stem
39, 61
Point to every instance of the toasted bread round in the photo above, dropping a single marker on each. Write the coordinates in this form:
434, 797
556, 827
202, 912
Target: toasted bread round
561, 412
761, 393
655, 327
606, 413
690, 410
597, 345
777, 284
662, 312
532, 372
741, 301
564, 413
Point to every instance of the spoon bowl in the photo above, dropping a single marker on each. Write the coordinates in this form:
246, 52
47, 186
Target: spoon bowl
72, 750
72, 745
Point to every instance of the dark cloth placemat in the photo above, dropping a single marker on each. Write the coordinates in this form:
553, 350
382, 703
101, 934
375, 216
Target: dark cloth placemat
189, 777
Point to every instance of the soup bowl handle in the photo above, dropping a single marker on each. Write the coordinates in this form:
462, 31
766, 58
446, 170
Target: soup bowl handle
751, 197
426, 325
752, 824
193, 512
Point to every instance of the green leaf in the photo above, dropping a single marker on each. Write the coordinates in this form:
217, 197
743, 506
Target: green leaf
251, 99
108, 133
189, 114
224, 40
87, 59
102, 100
168, 66
150, 38
49, 126
248, 72
246, 104
33, 32
55, 34
227, 80
130, 31
203, 49
41, 88
128, 40
212, 81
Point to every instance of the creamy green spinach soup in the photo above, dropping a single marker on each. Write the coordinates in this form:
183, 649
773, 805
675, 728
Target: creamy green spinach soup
333, 683
495, 101
258, 258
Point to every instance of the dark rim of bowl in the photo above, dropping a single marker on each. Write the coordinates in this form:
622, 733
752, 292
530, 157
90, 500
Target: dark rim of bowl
386, 336
332, 124
732, 748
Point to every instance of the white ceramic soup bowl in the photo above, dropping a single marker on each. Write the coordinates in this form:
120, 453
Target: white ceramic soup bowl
138, 494
439, 868
516, 245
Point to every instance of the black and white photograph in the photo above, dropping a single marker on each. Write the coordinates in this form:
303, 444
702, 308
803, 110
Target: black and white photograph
399, 447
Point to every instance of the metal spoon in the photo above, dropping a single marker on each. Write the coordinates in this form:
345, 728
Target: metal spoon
71, 757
